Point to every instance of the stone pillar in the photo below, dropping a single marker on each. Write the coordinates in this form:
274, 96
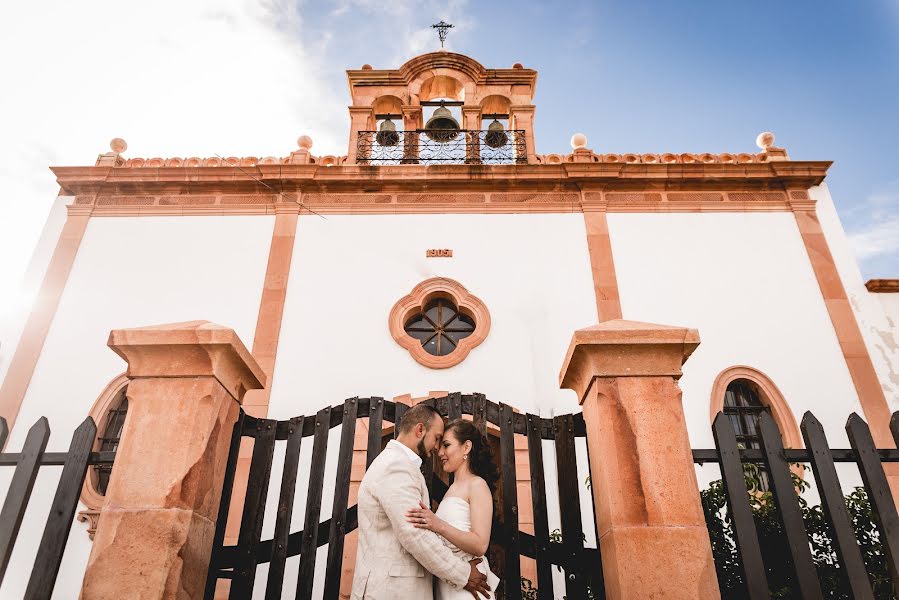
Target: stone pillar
155, 538
361, 119
471, 122
522, 117
412, 121
653, 536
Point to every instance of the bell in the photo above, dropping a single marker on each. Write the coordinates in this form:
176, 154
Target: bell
442, 127
387, 134
496, 137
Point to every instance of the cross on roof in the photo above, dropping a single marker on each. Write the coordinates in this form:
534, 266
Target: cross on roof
442, 28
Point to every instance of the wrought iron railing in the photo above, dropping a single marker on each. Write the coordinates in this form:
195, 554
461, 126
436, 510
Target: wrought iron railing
424, 147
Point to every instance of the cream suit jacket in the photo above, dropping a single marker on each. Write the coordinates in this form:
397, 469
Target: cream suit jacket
395, 560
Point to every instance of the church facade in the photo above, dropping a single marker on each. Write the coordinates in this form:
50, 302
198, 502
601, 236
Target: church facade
446, 252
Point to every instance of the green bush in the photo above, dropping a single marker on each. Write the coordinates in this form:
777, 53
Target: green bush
774, 546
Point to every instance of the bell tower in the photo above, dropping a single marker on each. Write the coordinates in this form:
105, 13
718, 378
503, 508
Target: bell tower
441, 108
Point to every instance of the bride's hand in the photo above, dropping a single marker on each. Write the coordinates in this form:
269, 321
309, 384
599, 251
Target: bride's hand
424, 518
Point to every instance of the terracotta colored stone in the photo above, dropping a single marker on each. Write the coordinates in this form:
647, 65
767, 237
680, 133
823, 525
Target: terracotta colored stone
644, 483
149, 554
189, 349
602, 266
627, 349
670, 563
155, 536
176, 437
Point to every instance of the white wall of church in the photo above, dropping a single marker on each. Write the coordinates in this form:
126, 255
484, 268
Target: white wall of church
877, 314
129, 272
890, 305
746, 283
532, 272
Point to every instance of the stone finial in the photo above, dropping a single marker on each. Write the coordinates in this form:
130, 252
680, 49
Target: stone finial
118, 145
302, 156
518, 66
770, 152
765, 140
112, 159
578, 141
366, 67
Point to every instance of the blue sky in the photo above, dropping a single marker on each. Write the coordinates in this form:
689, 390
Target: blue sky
247, 77
694, 76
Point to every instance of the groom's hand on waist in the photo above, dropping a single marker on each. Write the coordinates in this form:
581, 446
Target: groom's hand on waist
477, 581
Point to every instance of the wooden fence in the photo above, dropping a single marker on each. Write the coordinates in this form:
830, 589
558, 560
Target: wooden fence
776, 463
62, 511
567, 551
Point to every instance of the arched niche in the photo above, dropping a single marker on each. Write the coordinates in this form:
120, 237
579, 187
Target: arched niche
387, 104
441, 86
495, 104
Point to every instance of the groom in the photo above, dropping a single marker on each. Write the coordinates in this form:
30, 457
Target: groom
394, 559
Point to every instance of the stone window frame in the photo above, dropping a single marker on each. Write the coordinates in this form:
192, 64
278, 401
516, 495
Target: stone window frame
415, 301
91, 497
769, 395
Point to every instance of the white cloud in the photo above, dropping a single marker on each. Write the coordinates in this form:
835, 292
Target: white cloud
878, 239
879, 236
198, 78
409, 37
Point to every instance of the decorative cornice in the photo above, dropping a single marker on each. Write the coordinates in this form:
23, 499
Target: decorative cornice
218, 161
480, 199
585, 155
441, 60
883, 286
571, 177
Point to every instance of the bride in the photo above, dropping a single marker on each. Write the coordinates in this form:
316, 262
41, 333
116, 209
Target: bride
465, 515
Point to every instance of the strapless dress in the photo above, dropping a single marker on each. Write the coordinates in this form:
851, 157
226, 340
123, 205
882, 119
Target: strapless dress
457, 512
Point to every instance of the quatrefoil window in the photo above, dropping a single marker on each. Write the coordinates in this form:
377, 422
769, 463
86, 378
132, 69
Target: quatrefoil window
439, 322
440, 327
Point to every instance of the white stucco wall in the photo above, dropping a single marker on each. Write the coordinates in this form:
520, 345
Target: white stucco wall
746, 283
129, 272
877, 314
890, 305
532, 272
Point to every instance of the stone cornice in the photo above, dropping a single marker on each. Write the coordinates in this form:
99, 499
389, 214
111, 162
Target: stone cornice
883, 286
441, 60
273, 179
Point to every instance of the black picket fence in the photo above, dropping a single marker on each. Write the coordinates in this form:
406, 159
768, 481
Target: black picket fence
756, 563
238, 563
27, 463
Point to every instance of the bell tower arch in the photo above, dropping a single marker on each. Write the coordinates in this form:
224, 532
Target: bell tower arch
498, 98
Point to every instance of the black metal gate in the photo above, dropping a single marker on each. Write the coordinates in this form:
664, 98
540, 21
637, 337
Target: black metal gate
563, 549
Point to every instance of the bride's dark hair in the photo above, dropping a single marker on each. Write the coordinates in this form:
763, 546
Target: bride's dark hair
479, 460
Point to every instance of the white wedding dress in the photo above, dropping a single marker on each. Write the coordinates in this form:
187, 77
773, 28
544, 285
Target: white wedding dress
457, 512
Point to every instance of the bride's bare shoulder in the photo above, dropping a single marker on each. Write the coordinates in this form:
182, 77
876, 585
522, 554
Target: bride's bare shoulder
478, 487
